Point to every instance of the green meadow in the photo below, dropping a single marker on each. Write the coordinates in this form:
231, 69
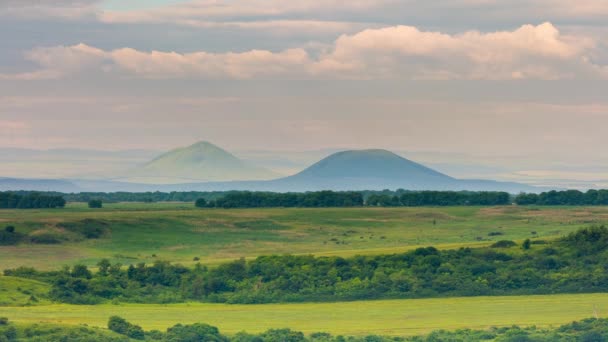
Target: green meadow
178, 232
387, 317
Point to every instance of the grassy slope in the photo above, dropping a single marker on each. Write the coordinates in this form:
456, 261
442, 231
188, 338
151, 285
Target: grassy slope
178, 232
20, 292
391, 317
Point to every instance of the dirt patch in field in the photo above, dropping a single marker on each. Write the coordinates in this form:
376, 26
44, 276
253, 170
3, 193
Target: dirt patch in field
433, 215
501, 211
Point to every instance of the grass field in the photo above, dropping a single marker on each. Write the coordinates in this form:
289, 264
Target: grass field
179, 232
19, 292
390, 317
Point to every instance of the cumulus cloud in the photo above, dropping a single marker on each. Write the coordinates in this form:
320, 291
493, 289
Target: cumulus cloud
402, 52
536, 52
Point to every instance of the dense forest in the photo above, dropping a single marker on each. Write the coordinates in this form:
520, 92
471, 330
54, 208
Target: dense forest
32, 200
576, 263
120, 330
319, 199
248, 199
568, 197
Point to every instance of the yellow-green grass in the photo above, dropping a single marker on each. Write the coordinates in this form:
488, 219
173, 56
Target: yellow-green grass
179, 232
19, 292
386, 317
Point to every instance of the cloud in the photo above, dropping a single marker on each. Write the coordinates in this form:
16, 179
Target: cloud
36, 9
530, 52
222, 10
400, 52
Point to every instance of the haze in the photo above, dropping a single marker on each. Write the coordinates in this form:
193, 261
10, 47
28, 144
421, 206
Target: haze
504, 90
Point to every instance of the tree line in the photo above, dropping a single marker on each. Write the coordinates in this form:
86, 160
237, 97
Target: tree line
319, 199
438, 198
32, 200
568, 265
121, 330
567, 197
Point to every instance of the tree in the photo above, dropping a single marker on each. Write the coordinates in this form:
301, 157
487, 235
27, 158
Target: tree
95, 204
9, 229
200, 203
104, 265
526, 244
120, 325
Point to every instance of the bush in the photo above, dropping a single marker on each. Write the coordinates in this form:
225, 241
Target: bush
89, 228
95, 204
120, 325
200, 203
503, 244
193, 333
3, 321
8, 236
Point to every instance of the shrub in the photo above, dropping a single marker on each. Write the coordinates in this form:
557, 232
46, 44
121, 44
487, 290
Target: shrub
200, 203
193, 333
89, 228
120, 325
8, 236
95, 204
3, 321
503, 244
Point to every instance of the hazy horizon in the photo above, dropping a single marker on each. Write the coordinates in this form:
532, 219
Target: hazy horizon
509, 91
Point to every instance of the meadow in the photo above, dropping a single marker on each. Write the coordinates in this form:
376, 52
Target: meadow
386, 317
178, 232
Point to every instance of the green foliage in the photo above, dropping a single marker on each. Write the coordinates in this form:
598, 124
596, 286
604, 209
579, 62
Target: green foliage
193, 333
526, 244
503, 244
46, 332
87, 228
32, 200
120, 326
319, 199
200, 203
588, 240
435, 198
9, 237
95, 204
587, 330
567, 197
424, 272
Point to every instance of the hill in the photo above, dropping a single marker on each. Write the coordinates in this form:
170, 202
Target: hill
202, 161
381, 169
206, 167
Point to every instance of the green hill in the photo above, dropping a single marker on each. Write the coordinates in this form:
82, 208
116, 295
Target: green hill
202, 161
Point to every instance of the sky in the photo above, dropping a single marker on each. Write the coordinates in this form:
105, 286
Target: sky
517, 86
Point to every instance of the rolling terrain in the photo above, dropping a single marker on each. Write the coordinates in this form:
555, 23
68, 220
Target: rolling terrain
146, 232
178, 232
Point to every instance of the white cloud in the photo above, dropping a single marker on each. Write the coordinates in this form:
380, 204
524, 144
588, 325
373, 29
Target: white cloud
402, 52
536, 52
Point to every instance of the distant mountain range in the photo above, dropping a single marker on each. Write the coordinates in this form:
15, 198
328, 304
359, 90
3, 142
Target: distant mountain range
206, 167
